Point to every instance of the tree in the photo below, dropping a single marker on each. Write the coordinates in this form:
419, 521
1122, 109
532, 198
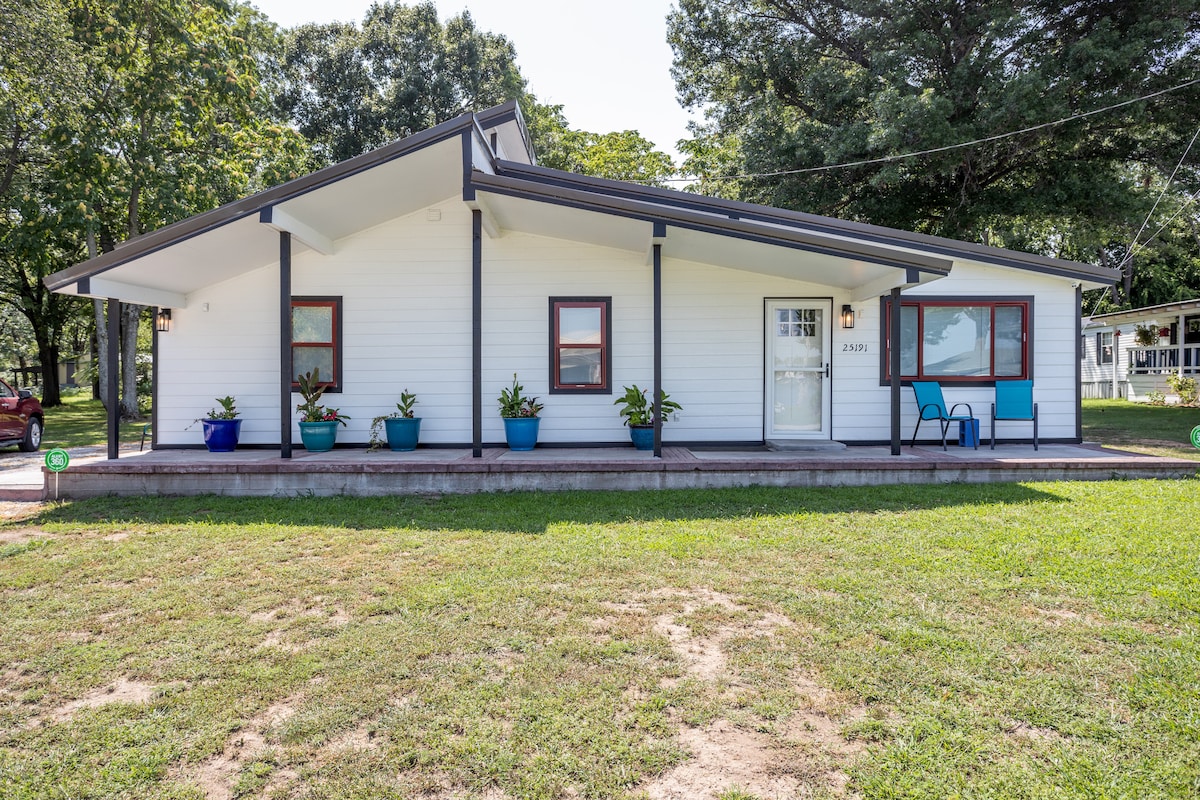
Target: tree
175, 124
351, 89
41, 85
801, 84
620, 155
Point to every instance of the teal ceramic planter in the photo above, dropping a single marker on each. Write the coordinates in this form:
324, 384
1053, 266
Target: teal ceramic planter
402, 432
642, 436
521, 432
318, 437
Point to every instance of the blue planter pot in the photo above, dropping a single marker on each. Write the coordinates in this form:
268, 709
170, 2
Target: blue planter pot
221, 435
521, 432
318, 437
642, 436
402, 432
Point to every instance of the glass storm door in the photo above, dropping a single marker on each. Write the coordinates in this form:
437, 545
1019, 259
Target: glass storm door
798, 352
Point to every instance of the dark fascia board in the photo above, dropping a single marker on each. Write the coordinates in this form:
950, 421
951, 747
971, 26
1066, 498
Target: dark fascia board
873, 233
687, 218
231, 212
508, 112
1137, 313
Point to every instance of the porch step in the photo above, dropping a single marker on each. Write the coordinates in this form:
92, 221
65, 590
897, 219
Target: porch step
801, 445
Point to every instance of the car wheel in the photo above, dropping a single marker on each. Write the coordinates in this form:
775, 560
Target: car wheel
33, 436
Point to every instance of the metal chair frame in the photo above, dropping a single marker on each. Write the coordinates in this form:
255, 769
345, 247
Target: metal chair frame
932, 406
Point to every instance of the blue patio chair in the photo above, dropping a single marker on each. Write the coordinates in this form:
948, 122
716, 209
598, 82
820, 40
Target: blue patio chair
932, 405
1014, 401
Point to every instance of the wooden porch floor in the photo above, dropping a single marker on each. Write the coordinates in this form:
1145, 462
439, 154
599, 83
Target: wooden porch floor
437, 471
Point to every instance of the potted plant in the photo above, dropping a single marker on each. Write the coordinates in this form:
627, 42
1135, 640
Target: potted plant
1146, 335
403, 429
520, 414
638, 412
222, 428
318, 424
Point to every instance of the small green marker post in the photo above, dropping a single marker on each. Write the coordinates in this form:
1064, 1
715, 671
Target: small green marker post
56, 461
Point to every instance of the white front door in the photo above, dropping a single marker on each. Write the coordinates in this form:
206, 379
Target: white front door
798, 353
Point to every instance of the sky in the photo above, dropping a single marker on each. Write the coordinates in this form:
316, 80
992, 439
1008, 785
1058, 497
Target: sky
608, 64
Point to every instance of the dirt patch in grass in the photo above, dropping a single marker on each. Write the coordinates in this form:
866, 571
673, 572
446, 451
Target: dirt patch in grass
22, 535
122, 691
216, 776
725, 757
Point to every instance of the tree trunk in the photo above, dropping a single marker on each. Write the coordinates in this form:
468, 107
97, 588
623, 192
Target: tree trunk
101, 354
47, 345
131, 316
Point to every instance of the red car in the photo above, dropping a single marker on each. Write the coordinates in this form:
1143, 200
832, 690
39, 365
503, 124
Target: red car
21, 418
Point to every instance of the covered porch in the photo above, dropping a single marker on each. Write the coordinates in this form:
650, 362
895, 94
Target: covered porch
358, 472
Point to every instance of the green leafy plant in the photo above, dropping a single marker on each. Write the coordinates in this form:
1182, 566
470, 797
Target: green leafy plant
1145, 335
310, 388
1184, 387
514, 404
228, 410
638, 410
1156, 398
404, 409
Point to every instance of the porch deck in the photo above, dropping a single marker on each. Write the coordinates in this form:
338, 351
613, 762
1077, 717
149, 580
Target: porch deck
439, 471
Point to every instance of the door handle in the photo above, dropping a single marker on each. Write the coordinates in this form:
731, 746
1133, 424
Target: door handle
826, 369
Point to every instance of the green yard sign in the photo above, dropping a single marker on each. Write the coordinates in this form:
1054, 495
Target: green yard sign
1196, 436
57, 460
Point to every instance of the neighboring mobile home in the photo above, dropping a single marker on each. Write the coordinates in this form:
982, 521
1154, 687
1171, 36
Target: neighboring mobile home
1113, 358
447, 261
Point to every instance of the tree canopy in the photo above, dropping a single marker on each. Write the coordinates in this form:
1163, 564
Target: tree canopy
790, 86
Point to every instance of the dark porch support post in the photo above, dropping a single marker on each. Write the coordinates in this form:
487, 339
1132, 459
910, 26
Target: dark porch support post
476, 333
285, 344
894, 368
114, 376
659, 230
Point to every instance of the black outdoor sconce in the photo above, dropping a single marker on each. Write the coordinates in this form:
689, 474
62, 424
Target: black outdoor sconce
162, 320
847, 316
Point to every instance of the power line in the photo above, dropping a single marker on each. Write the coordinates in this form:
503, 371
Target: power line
886, 159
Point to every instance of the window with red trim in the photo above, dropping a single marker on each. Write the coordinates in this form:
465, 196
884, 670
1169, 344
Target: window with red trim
317, 339
580, 355
961, 340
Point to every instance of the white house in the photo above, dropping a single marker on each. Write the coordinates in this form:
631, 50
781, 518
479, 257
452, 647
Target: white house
446, 262
1112, 358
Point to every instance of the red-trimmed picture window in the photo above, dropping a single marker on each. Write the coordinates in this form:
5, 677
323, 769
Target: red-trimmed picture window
317, 339
961, 340
580, 354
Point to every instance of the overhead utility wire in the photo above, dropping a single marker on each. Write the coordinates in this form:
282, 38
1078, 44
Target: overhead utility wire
885, 159
1127, 261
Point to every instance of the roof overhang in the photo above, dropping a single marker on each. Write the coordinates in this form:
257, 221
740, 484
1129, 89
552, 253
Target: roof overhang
1166, 310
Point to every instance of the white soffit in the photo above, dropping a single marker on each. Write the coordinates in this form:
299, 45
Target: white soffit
609, 230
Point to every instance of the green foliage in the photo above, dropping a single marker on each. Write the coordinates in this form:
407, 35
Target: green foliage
637, 409
350, 89
311, 389
806, 84
1184, 388
620, 155
228, 411
514, 404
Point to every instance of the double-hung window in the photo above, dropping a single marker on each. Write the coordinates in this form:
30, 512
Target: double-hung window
963, 340
317, 339
1104, 348
580, 345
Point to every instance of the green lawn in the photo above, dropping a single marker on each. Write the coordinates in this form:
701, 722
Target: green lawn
80, 422
996, 641
1141, 428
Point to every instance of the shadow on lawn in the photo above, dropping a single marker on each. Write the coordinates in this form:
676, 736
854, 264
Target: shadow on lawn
533, 512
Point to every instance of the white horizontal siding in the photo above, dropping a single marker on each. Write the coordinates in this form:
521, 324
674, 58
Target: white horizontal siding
406, 289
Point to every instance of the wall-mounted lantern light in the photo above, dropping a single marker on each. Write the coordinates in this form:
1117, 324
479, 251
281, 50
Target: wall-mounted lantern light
847, 316
162, 320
